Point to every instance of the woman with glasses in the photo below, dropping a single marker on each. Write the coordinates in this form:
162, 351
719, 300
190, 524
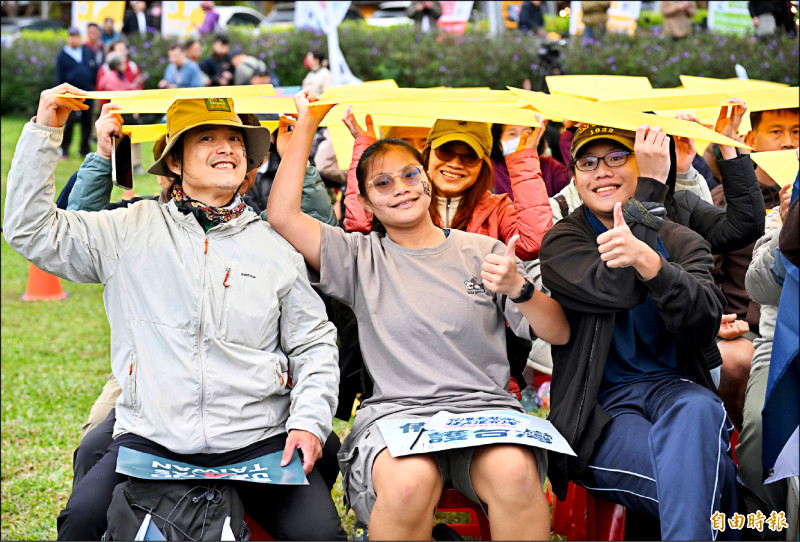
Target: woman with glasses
457, 159
431, 306
632, 389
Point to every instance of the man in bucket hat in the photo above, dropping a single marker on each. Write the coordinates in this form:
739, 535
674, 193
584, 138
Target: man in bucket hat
221, 348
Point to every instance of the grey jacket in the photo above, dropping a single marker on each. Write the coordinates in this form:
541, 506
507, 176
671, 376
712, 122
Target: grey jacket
762, 288
217, 340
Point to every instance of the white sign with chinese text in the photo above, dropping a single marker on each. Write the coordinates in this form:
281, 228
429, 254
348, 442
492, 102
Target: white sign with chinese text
445, 431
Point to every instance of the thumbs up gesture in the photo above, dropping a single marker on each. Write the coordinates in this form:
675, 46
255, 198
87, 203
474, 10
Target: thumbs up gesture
499, 273
619, 248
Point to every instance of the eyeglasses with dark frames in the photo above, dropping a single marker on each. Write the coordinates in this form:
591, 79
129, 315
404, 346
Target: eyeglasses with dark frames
384, 183
612, 159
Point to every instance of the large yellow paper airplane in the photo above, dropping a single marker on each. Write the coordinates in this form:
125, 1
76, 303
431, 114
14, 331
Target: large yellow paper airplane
710, 83
238, 91
782, 166
141, 133
416, 95
576, 109
245, 104
596, 87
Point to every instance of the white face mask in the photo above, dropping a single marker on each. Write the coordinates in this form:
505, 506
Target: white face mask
509, 145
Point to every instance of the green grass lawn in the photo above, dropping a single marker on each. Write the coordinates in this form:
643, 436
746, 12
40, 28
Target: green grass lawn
55, 360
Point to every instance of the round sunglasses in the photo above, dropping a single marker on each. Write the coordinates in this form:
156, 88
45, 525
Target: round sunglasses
384, 183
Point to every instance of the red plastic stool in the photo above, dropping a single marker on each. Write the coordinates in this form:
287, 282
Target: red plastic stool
582, 516
734, 444
256, 532
605, 520
569, 515
452, 501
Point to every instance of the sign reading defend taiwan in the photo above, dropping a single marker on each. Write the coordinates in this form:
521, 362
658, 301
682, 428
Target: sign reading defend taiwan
263, 470
445, 431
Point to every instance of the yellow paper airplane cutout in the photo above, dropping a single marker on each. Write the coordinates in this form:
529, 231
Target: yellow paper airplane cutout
493, 113
596, 87
237, 91
667, 98
417, 95
142, 133
710, 83
260, 104
598, 113
782, 166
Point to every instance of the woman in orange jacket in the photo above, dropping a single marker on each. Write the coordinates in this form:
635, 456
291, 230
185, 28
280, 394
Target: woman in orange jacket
457, 160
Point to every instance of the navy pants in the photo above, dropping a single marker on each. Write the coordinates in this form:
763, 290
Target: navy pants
664, 454
286, 512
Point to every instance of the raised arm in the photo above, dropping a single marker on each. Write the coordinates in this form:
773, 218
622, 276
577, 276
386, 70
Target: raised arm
284, 211
533, 215
356, 218
81, 247
92, 190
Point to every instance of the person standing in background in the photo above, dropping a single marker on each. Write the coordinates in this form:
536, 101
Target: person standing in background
181, 72
678, 18
319, 77
530, 16
217, 66
194, 52
95, 43
76, 64
595, 15
109, 34
210, 22
137, 21
424, 14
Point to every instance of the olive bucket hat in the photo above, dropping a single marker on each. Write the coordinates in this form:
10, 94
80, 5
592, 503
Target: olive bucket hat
183, 115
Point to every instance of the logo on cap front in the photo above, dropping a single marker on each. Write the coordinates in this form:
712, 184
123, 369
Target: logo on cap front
217, 104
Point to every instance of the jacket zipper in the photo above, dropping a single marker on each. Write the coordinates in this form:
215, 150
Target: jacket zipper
199, 345
447, 214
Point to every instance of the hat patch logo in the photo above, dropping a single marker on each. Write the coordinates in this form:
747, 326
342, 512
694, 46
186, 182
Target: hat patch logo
217, 104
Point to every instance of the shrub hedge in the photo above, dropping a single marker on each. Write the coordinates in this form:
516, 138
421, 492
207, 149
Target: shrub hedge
416, 59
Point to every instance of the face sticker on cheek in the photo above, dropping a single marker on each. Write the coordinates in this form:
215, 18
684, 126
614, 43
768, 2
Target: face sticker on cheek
426, 188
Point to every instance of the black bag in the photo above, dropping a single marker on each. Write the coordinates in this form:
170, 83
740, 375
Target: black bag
180, 509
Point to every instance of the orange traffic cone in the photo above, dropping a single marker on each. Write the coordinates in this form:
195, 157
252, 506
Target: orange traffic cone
43, 286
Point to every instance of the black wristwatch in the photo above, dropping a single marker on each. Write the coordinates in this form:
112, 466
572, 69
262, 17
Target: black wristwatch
527, 292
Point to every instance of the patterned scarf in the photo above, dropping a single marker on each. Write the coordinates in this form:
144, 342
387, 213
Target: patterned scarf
215, 215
